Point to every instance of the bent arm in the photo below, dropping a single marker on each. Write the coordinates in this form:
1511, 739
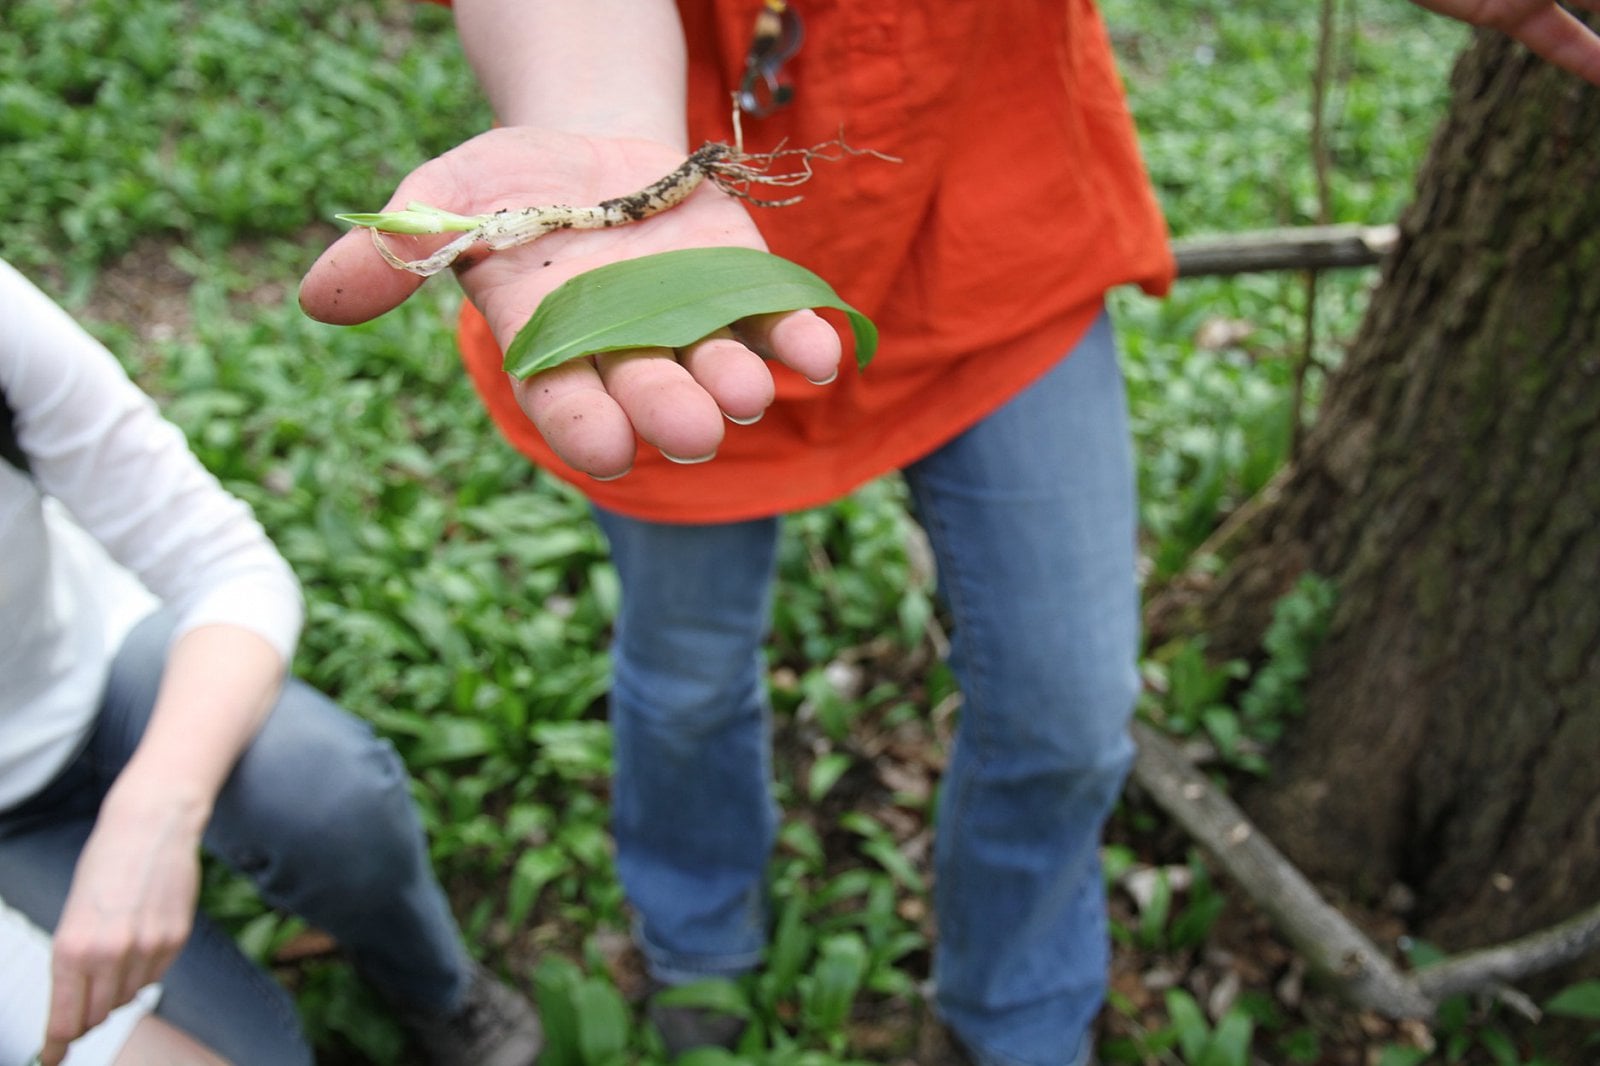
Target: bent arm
592, 101
130, 907
99, 446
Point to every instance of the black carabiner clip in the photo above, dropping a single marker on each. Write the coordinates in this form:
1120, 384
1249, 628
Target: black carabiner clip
777, 37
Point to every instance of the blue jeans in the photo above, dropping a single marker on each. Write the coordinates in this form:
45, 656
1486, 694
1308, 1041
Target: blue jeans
1031, 515
317, 813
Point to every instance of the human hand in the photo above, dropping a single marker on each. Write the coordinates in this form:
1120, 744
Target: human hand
588, 410
128, 913
1548, 29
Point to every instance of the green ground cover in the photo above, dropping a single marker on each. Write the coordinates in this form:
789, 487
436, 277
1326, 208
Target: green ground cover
166, 179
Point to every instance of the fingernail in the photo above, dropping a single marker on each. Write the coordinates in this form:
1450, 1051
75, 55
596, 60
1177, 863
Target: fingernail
824, 381
613, 477
752, 420
690, 462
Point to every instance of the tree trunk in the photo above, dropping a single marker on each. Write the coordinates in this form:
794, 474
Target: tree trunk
1451, 488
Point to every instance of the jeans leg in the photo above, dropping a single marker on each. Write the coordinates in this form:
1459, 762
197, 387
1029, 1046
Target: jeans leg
212, 990
692, 808
318, 814
1032, 518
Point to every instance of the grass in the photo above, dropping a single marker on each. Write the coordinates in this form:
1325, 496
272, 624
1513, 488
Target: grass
165, 179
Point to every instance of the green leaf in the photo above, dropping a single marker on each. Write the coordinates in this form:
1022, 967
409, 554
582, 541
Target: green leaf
1153, 918
670, 300
416, 218
602, 1021
791, 945
708, 1056
1500, 1047
713, 994
1581, 1000
898, 866
534, 869
556, 985
451, 739
825, 773
1230, 1044
1189, 1022
834, 981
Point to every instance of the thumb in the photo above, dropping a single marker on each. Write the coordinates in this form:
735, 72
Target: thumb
351, 281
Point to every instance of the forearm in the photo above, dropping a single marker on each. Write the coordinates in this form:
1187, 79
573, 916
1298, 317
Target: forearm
608, 68
220, 683
131, 905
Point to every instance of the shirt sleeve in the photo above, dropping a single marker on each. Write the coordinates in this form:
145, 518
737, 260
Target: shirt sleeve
99, 446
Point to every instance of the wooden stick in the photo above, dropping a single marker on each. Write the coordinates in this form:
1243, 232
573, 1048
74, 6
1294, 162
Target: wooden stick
1298, 248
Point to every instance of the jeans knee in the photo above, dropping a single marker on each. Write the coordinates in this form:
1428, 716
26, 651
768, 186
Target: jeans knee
1076, 723
370, 820
310, 790
689, 681
685, 709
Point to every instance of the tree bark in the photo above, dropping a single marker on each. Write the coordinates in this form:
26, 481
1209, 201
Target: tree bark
1451, 488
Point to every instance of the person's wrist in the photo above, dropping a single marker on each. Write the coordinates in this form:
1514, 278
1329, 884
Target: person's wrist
158, 803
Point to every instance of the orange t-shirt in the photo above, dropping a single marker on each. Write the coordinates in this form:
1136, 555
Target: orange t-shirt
982, 256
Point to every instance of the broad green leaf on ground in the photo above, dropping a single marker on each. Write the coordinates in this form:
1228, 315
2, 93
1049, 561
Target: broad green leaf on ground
671, 300
1581, 1000
713, 994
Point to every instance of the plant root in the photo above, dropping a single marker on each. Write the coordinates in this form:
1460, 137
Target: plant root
727, 167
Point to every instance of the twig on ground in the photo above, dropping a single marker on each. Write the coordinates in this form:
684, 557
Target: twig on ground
1326, 939
1534, 953
1331, 944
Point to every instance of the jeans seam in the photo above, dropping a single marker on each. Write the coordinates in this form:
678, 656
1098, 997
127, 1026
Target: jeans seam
971, 689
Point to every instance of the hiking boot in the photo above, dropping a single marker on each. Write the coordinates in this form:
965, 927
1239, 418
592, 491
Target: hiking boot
495, 1026
686, 1028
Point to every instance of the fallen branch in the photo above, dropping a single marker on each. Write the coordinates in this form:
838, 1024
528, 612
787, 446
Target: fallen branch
1330, 943
1534, 953
1298, 248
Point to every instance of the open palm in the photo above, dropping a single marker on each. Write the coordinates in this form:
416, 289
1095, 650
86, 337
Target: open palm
588, 410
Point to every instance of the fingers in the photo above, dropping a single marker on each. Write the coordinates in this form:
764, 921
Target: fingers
578, 419
801, 340
667, 407
68, 999
589, 411
1545, 27
734, 376
87, 984
102, 955
107, 990
1557, 36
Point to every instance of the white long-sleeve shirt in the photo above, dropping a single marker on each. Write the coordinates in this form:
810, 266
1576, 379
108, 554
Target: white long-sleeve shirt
117, 516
